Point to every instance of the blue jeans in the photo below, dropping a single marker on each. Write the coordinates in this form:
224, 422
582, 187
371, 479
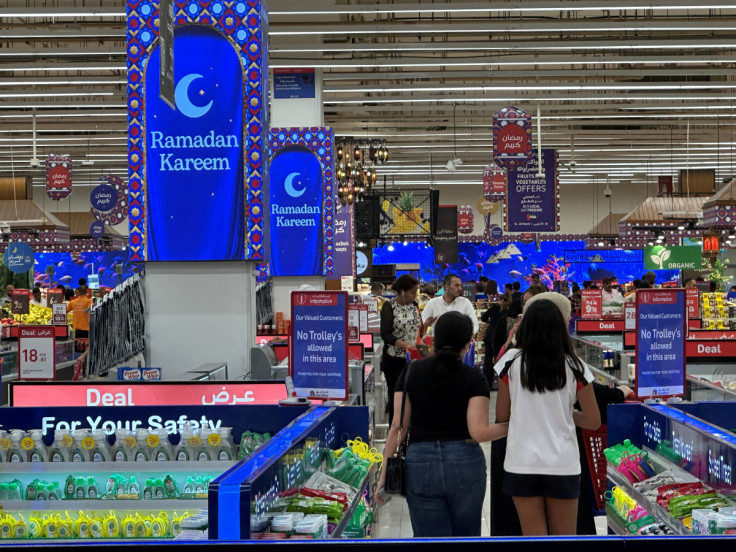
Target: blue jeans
445, 488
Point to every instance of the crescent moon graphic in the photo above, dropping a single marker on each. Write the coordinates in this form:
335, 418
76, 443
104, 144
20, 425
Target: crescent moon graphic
289, 185
181, 96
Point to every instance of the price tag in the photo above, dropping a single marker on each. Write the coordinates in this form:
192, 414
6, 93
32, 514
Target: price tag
692, 303
19, 301
591, 303
36, 347
59, 314
630, 316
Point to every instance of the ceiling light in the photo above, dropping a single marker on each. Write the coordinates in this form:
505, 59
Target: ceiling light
681, 227
390, 247
601, 244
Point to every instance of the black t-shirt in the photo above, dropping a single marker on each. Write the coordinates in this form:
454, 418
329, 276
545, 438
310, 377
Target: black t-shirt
441, 413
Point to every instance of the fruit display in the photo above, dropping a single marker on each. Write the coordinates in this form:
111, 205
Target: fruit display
37, 316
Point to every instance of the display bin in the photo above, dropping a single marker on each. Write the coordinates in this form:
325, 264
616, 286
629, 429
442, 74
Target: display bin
690, 445
257, 418
282, 465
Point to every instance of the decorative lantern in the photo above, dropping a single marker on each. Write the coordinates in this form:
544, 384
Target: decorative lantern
711, 245
465, 219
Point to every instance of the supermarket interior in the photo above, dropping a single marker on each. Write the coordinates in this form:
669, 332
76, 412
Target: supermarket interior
230, 231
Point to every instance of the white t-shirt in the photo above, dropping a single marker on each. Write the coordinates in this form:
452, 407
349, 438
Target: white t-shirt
542, 437
438, 306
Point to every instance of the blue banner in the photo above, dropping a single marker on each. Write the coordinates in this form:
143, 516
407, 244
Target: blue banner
318, 360
295, 210
195, 153
660, 347
19, 257
293, 83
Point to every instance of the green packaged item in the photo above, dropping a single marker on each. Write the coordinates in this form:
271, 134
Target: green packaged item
615, 453
170, 487
31, 490
15, 490
148, 490
92, 488
633, 527
158, 489
80, 489
69, 487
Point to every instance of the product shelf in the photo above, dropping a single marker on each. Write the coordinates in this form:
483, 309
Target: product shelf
614, 524
660, 513
348, 514
118, 505
85, 468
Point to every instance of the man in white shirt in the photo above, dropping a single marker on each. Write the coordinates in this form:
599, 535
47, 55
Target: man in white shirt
451, 300
37, 297
609, 294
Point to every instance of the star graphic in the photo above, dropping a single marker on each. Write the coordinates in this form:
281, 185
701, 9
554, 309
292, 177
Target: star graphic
201, 92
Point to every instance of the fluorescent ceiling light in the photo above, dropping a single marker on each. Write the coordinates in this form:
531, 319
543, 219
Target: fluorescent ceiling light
55, 67
44, 13
527, 87
477, 99
55, 94
53, 82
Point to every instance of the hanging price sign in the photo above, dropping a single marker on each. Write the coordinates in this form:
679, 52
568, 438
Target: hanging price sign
36, 346
591, 303
630, 316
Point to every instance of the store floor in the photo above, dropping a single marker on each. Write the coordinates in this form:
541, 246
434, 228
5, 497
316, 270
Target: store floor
393, 521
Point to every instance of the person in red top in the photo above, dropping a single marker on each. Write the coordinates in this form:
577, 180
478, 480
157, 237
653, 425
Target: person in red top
80, 307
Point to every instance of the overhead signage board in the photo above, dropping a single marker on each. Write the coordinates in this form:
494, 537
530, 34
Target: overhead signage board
672, 257
512, 137
533, 203
291, 84
660, 345
197, 173
344, 243
445, 239
19, 257
147, 393
318, 359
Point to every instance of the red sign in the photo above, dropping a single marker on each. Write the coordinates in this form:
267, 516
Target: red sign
512, 137
465, 219
314, 299
59, 314
710, 349
694, 323
665, 185
599, 326
527, 237
58, 176
629, 340
148, 394
591, 304
691, 303
53, 297
669, 285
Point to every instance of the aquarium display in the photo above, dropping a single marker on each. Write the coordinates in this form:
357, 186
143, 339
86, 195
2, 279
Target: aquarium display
112, 268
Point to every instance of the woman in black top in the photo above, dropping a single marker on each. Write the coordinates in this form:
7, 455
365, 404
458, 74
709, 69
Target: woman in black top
446, 415
400, 322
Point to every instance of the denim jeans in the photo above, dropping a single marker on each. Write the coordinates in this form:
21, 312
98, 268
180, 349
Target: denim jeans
445, 488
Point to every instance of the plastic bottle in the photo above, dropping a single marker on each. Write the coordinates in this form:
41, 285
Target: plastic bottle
15, 452
122, 450
101, 450
141, 453
14, 490
57, 452
226, 449
183, 452
91, 488
189, 485
159, 491
54, 491
133, 487
41, 491
204, 451
77, 452
4, 445
148, 490
160, 446
80, 489
170, 487
38, 451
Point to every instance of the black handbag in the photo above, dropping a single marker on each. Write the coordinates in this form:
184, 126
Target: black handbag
396, 464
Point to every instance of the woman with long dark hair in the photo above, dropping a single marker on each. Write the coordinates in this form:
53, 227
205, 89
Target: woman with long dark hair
539, 382
400, 324
446, 416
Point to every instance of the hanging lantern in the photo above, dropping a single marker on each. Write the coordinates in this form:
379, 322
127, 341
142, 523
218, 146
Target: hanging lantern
711, 245
465, 219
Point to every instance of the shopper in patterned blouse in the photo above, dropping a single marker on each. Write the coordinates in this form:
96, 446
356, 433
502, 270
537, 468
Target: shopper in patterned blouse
400, 323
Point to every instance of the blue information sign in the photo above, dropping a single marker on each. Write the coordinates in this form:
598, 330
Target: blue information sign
660, 348
318, 360
293, 83
19, 257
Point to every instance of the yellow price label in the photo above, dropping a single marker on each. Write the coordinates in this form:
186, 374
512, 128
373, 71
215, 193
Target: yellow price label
129, 440
152, 440
194, 440
214, 439
26, 443
67, 441
4, 443
88, 443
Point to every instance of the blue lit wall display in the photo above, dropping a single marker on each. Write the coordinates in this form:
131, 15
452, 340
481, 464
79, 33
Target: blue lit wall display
510, 261
196, 173
112, 268
301, 205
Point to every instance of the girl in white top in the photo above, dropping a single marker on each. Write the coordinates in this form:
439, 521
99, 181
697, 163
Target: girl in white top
539, 382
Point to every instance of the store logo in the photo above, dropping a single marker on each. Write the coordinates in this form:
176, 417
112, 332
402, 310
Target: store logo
660, 258
301, 299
